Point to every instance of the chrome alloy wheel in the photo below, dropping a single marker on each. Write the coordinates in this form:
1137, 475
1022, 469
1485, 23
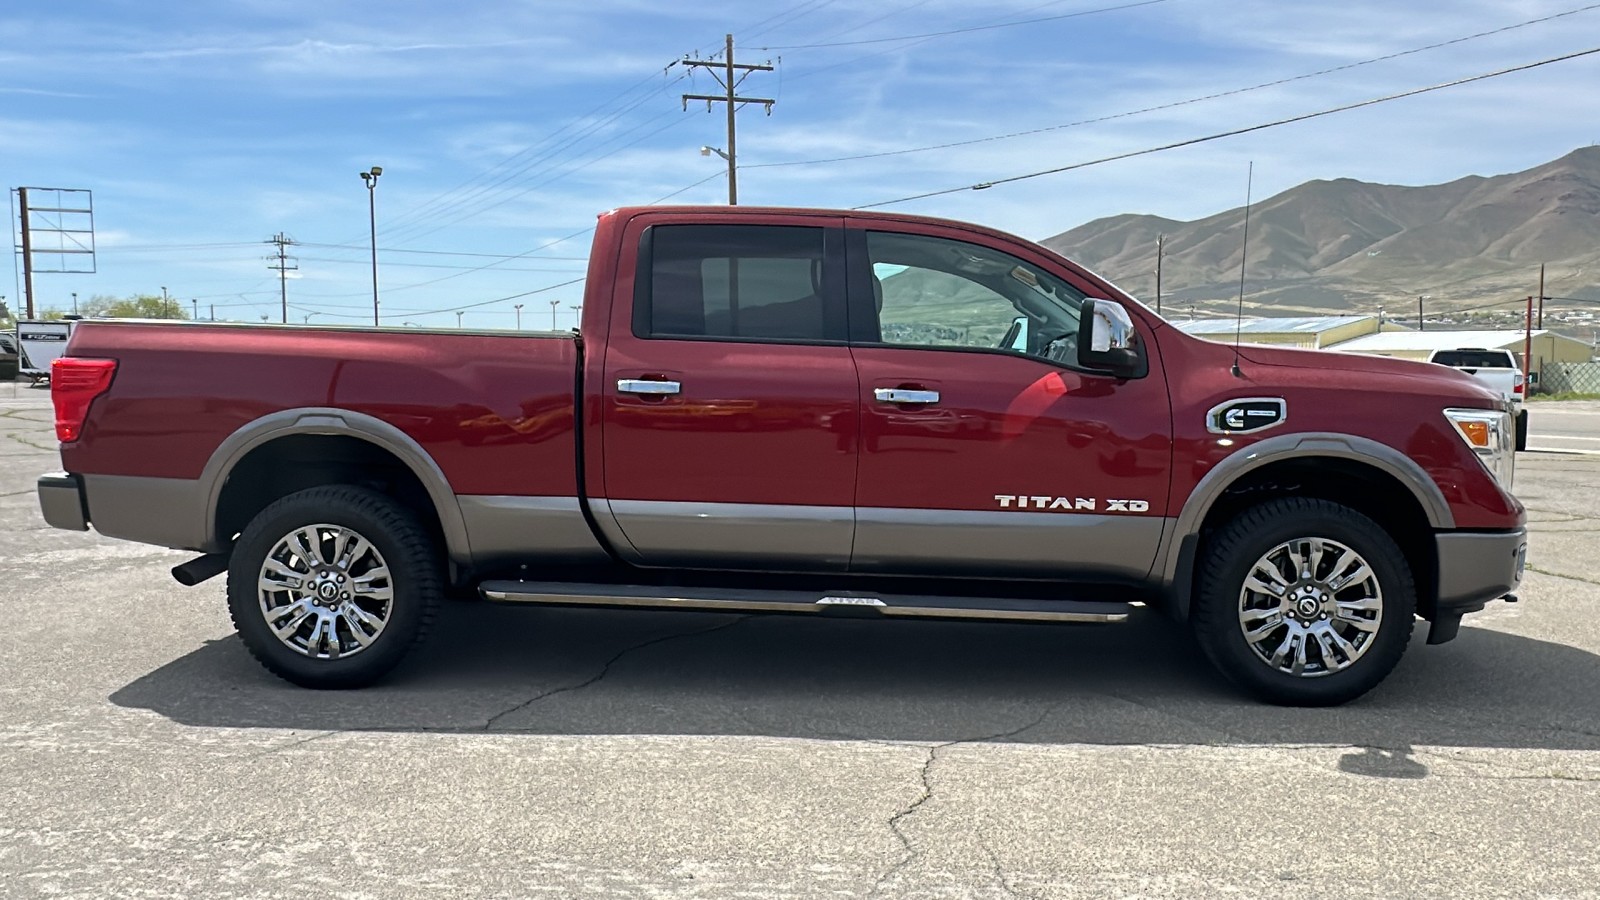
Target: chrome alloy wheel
1310, 607
325, 591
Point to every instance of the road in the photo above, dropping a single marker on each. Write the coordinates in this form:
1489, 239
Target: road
570, 753
1569, 426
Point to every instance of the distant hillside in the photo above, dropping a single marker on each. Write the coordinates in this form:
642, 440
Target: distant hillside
1347, 245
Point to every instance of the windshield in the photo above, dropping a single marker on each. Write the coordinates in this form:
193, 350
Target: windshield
1474, 359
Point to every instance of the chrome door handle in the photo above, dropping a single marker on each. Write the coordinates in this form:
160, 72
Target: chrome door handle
640, 386
903, 395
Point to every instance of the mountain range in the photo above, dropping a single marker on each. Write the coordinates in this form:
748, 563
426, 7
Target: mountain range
1348, 246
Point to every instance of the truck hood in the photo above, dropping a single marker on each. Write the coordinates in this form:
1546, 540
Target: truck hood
1443, 380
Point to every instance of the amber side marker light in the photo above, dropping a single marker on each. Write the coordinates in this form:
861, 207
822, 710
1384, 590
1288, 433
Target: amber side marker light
74, 385
1476, 433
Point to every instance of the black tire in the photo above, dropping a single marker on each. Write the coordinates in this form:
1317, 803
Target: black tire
1522, 429
1228, 560
414, 580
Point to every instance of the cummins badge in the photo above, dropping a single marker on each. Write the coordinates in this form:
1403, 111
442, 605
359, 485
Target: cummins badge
1246, 415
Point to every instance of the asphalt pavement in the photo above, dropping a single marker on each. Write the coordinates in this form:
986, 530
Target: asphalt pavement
571, 753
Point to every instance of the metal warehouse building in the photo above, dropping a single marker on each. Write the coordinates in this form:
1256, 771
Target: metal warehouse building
1312, 332
1547, 345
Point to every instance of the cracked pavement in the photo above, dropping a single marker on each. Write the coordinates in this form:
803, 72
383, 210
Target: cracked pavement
577, 753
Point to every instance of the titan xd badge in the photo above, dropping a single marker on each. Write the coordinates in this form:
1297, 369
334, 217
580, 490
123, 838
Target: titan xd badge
1246, 415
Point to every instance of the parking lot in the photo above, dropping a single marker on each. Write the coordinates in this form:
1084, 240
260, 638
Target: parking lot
572, 753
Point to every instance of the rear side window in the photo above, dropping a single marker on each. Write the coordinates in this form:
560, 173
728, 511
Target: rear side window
1474, 359
757, 282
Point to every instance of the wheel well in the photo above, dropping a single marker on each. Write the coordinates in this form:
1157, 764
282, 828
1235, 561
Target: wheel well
295, 462
1367, 489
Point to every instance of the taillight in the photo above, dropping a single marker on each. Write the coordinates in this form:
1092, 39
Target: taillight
74, 383
1517, 387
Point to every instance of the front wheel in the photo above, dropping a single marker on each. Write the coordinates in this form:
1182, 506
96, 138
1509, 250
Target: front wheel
330, 587
1522, 429
1304, 602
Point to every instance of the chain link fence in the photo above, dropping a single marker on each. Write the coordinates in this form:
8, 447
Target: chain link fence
1582, 378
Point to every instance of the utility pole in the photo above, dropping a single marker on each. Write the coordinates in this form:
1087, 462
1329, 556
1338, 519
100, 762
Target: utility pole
166, 304
283, 268
1527, 348
1541, 295
1420, 298
729, 79
195, 305
74, 302
27, 252
1161, 246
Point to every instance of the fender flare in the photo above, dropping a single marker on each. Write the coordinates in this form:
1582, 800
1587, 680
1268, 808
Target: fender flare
1178, 565
340, 422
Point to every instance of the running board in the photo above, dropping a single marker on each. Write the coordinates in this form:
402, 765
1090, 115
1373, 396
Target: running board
854, 602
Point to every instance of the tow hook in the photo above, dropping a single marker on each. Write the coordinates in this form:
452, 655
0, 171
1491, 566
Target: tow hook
1510, 598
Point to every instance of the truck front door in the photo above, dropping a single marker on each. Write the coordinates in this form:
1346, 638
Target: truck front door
728, 408
985, 451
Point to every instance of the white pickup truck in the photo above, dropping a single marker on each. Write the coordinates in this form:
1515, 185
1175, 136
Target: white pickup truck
1496, 368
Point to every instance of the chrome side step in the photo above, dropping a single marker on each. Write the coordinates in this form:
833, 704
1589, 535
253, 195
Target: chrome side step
835, 602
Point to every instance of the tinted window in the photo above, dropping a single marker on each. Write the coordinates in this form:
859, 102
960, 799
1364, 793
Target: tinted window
1474, 359
737, 281
933, 292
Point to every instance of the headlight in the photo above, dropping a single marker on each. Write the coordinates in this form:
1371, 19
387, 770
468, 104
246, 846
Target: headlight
1488, 433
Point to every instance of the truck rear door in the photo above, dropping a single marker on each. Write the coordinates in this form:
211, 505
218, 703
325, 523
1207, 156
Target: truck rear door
728, 401
985, 452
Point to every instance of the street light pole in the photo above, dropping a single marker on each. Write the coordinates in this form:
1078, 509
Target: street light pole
166, 305
553, 305
733, 189
577, 315
458, 319
195, 304
519, 316
74, 302
370, 178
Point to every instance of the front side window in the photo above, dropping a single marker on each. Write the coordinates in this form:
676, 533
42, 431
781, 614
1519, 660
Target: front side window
761, 282
934, 292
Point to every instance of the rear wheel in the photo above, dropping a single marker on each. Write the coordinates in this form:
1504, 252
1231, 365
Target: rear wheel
331, 586
1304, 602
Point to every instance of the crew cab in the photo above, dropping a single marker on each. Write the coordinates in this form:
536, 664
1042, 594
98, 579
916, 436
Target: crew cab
801, 411
1498, 370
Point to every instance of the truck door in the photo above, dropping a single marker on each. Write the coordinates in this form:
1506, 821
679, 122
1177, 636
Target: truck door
728, 401
984, 450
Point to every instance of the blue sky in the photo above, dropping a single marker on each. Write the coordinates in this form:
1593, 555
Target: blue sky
503, 127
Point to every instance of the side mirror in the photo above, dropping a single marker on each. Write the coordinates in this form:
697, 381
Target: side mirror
1016, 337
1107, 341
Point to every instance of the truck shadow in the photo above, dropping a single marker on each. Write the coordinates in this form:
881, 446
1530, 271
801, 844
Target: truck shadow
591, 672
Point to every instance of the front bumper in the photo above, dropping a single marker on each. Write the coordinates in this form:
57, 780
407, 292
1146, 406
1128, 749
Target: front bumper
1474, 568
61, 501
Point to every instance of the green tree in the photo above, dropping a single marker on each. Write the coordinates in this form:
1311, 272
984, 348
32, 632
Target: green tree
139, 306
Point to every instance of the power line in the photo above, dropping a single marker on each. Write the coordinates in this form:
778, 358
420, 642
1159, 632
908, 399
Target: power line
677, 121
1177, 103
433, 203
432, 312
383, 250
360, 262
984, 185
967, 30
815, 5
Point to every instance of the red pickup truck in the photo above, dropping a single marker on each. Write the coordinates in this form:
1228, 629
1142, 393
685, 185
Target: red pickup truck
802, 411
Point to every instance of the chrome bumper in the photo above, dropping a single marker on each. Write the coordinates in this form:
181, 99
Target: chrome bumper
61, 501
